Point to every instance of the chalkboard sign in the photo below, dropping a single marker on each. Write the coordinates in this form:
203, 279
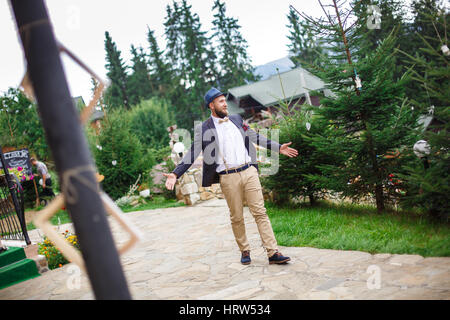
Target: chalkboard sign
18, 158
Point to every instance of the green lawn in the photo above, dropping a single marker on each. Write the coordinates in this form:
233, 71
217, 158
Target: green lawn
156, 203
351, 227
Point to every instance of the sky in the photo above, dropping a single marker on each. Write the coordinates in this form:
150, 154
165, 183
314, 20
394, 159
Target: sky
80, 25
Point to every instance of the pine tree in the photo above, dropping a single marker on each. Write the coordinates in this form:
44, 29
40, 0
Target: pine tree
297, 176
372, 120
200, 71
303, 47
235, 64
190, 54
117, 95
174, 39
427, 180
420, 27
374, 26
140, 84
159, 69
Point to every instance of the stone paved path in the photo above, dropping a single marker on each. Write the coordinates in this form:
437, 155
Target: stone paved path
190, 253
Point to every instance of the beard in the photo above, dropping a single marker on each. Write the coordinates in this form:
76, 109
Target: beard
221, 114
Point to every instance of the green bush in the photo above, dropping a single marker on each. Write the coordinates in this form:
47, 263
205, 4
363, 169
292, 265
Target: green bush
149, 122
118, 154
293, 177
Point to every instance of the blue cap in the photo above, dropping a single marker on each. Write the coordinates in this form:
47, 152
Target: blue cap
211, 95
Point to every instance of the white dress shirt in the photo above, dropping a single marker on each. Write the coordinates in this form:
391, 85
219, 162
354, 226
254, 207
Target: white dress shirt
231, 145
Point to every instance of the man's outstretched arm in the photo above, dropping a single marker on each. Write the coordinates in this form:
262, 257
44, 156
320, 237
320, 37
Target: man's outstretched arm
272, 145
187, 160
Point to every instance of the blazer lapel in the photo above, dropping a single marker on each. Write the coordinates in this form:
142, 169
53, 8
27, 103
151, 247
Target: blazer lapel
237, 124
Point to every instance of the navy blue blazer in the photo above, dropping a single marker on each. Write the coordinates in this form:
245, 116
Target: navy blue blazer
205, 137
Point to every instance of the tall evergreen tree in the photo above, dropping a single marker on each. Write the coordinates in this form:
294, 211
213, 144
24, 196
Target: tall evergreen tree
190, 54
235, 64
420, 27
374, 26
140, 84
303, 47
117, 94
367, 108
159, 69
427, 180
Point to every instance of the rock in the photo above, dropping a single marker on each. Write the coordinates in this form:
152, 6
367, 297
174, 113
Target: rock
216, 188
206, 195
187, 178
189, 188
198, 177
145, 193
178, 193
191, 199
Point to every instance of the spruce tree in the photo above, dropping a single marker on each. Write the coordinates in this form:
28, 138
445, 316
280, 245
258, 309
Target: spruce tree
140, 84
235, 64
368, 109
159, 69
190, 54
117, 94
420, 27
427, 179
200, 70
297, 176
303, 47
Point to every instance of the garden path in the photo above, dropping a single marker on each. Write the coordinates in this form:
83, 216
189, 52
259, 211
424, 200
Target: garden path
190, 253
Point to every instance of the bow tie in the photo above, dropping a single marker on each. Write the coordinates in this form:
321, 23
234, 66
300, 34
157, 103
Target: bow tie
223, 120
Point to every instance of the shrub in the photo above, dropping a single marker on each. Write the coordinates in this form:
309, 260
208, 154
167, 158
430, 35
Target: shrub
149, 121
293, 177
118, 154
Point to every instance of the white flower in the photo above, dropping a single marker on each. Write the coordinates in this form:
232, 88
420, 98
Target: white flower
114, 162
99, 147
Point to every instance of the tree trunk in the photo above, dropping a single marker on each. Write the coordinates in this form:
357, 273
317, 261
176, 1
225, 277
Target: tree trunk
312, 200
379, 197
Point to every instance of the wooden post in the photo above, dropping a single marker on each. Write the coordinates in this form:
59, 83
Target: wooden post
38, 201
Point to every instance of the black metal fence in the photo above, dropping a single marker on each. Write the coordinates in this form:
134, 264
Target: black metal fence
12, 214
10, 220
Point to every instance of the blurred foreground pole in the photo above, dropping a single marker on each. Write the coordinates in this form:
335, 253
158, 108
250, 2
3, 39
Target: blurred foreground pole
70, 150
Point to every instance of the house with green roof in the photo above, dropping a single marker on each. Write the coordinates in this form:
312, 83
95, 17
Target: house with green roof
265, 95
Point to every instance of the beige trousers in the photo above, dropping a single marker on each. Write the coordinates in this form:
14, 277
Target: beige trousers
245, 185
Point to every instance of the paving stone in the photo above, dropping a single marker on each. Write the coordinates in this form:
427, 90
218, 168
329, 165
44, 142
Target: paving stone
190, 253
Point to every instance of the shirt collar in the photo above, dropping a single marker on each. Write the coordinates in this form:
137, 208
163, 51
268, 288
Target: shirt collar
215, 119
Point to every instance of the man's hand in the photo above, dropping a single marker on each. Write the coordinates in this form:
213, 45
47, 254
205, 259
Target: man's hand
171, 180
290, 152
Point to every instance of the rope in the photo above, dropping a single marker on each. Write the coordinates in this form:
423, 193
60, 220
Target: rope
68, 187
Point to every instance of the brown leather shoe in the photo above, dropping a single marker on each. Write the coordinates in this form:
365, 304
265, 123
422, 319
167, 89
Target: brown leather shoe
278, 258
